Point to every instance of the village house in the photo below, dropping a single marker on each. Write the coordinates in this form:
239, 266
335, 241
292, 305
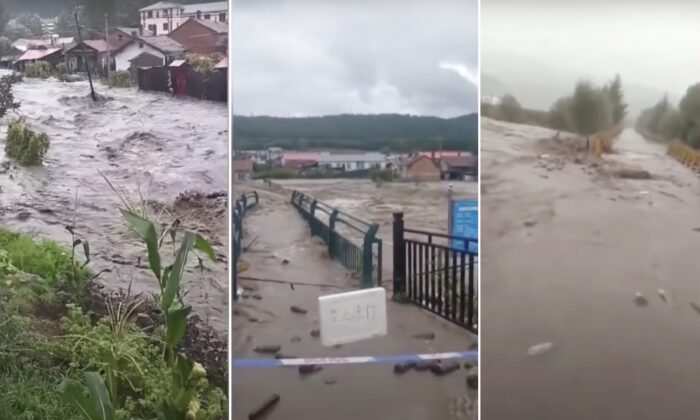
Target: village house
353, 161
161, 50
458, 167
242, 170
202, 36
420, 168
214, 11
52, 56
292, 159
96, 53
164, 17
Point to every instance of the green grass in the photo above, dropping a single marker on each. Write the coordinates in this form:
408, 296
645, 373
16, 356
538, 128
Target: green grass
30, 394
44, 258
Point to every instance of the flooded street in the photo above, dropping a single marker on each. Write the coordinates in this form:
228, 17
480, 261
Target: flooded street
279, 247
165, 145
567, 244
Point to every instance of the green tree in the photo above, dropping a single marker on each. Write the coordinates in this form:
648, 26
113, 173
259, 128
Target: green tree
617, 100
560, 115
690, 115
510, 109
15, 31
5, 45
4, 18
590, 109
31, 21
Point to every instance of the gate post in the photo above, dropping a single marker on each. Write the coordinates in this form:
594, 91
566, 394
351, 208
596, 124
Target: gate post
367, 257
236, 238
331, 230
399, 257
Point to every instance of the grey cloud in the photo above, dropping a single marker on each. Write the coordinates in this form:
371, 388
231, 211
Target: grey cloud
315, 57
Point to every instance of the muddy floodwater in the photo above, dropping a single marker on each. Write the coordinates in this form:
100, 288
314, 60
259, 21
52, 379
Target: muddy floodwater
278, 247
567, 245
165, 145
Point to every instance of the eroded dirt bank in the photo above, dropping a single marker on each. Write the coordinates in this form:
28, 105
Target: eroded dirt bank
169, 146
566, 246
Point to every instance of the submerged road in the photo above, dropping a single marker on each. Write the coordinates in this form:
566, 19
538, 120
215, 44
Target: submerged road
340, 392
566, 247
163, 144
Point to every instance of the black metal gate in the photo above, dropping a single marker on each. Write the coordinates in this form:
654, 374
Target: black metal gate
437, 272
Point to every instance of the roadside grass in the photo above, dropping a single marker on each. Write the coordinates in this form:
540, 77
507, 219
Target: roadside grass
49, 343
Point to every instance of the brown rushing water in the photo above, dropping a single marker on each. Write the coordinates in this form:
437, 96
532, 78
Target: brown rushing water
565, 248
164, 144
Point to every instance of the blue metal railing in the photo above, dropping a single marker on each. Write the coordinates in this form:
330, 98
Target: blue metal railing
241, 205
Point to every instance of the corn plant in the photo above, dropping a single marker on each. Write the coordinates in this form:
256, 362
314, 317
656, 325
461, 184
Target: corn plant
182, 402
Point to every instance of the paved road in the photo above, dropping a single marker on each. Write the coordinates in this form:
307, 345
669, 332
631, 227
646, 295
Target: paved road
566, 246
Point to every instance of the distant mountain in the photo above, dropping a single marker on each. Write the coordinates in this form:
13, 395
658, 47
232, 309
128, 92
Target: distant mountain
538, 85
45, 8
363, 132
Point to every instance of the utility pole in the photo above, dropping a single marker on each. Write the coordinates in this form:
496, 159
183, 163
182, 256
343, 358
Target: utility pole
87, 66
109, 59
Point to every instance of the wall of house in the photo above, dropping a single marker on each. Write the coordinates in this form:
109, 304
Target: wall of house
423, 170
197, 39
160, 17
132, 51
215, 16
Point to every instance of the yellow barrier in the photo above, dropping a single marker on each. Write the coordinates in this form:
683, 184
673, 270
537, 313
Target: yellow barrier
602, 142
685, 154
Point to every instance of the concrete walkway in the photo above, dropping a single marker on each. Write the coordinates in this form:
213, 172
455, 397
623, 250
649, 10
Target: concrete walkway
282, 249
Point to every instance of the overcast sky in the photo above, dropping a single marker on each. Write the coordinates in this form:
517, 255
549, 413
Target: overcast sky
652, 43
316, 57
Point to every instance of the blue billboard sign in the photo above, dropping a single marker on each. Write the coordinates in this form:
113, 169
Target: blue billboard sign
464, 223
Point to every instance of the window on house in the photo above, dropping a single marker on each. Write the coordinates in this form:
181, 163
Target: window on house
207, 16
152, 29
222, 17
150, 14
165, 27
140, 44
157, 13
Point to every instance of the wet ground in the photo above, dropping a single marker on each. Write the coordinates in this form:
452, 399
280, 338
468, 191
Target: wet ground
566, 246
165, 145
279, 248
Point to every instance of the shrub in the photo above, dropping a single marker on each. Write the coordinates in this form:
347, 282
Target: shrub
39, 70
120, 79
61, 69
25, 145
202, 63
7, 98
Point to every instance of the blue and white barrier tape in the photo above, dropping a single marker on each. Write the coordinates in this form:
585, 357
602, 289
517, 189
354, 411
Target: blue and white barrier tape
263, 363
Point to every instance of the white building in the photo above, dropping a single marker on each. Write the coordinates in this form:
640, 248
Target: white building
163, 17
353, 161
160, 46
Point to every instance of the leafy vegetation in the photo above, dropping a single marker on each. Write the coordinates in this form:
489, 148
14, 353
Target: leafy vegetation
202, 63
120, 79
664, 121
58, 361
39, 70
7, 98
588, 110
400, 133
25, 145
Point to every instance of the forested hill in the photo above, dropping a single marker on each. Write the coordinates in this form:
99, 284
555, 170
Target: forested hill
400, 133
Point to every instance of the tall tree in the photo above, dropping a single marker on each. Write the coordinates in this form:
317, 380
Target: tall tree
510, 109
4, 18
617, 100
690, 114
32, 22
591, 110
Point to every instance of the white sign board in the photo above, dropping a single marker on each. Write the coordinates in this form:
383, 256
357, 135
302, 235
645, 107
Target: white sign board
352, 316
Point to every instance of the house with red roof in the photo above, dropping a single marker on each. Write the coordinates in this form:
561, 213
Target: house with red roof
200, 36
53, 56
